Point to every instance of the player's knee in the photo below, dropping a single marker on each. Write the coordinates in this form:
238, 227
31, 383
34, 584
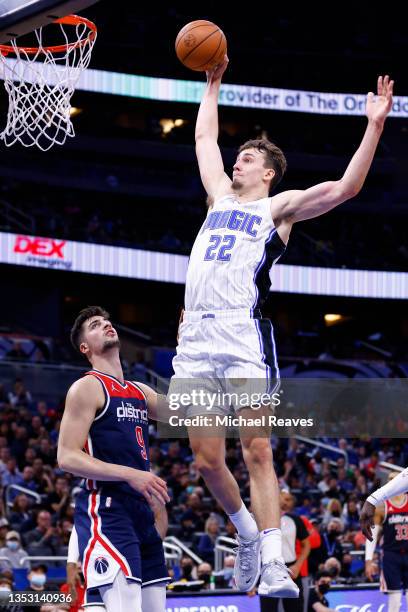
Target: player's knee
208, 463
257, 452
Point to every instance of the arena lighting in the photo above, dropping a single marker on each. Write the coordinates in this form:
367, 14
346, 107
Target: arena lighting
332, 319
74, 111
169, 124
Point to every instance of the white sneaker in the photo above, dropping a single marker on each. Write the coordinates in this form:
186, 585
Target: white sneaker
247, 563
276, 581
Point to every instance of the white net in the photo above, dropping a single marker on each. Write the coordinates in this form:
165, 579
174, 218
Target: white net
40, 83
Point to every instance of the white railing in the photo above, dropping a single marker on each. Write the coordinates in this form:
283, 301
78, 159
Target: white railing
333, 449
222, 549
172, 553
185, 549
20, 489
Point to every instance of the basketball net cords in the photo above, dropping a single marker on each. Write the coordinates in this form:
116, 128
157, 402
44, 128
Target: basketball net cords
40, 91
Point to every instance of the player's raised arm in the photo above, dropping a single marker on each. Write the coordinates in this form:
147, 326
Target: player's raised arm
215, 181
83, 400
300, 205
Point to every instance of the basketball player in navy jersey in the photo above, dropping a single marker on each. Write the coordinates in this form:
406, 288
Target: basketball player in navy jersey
391, 517
223, 336
104, 439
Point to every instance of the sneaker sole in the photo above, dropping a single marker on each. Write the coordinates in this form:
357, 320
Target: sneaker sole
287, 594
249, 587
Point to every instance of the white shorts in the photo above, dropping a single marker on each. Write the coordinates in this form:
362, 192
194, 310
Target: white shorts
225, 351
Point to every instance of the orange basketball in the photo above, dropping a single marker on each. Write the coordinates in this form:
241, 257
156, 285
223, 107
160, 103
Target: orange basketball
200, 45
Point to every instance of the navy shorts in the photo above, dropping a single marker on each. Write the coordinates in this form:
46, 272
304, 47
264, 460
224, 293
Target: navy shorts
394, 571
117, 532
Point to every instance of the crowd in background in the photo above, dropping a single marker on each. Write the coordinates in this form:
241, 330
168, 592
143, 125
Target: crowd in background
326, 489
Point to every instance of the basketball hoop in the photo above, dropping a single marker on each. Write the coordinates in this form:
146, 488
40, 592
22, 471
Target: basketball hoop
40, 81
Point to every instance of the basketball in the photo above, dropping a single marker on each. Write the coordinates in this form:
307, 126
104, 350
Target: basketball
200, 45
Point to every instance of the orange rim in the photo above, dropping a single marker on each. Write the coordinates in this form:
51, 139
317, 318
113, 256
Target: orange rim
68, 20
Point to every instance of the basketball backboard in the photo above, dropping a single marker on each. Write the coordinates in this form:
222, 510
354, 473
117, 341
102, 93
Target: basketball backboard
18, 17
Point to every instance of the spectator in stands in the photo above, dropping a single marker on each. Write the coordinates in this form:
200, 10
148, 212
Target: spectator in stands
58, 500
361, 487
38, 583
14, 553
19, 443
186, 568
27, 479
346, 564
20, 512
192, 519
350, 516
64, 531
20, 396
42, 411
333, 567
370, 466
334, 510
204, 572
46, 452
29, 456
323, 485
11, 474
334, 490
16, 353
4, 528
344, 483
6, 586
4, 457
331, 539
44, 538
35, 427
42, 476
206, 543
228, 571
317, 599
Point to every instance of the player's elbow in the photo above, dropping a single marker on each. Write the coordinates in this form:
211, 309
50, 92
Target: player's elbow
63, 459
347, 190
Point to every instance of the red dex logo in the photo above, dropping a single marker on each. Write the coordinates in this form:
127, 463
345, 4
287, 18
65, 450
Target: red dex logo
39, 246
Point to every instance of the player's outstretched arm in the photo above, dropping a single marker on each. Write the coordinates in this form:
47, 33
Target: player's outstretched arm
83, 400
297, 205
215, 181
158, 408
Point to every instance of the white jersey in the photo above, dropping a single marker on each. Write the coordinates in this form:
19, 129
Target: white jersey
232, 256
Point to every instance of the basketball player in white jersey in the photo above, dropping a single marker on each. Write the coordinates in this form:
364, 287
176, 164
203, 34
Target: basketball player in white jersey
222, 335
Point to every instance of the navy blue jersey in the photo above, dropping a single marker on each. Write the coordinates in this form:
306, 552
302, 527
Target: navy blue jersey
395, 526
119, 432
